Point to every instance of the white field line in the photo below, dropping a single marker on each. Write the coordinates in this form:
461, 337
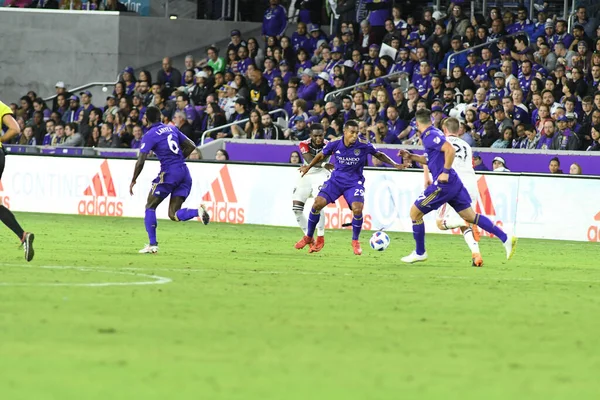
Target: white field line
361, 275
154, 279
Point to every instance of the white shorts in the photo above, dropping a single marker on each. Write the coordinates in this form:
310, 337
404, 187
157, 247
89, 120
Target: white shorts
446, 212
309, 186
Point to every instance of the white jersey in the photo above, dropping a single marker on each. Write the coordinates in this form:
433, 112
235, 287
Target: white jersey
463, 163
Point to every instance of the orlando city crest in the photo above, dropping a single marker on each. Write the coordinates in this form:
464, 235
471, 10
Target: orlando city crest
356, 152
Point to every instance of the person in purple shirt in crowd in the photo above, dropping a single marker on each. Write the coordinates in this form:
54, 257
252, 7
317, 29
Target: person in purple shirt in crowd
380, 10
422, 80
478, 164
561, 34
525, 76
183, 104
303, 61
274, 20
315, 37
446, 188
72, 114
522, 23
308, 89
500, 84
270, 71
545, 142
486, 57
349, 156
394, 127
317, 113
128, 76
284, 70
404, 64
136, 142
86, 105
300, 38
472, 69
460, 59
245, 60
168, 76
171, 147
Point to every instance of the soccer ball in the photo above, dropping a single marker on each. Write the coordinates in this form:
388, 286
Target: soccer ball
380, 241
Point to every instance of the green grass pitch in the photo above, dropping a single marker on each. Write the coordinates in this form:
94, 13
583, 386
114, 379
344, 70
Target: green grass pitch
246, 316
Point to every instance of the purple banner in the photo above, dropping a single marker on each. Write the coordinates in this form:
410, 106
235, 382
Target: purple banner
515, 162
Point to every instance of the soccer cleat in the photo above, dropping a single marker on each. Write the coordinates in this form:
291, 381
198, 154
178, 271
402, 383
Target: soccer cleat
510, 245
414, 257
28, 245
204, 214
318, 245
305, 241
475, 230
356, 247
477, 260
149, 249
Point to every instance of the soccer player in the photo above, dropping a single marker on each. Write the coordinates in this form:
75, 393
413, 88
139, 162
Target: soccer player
447, 218
171, 147
347, 179
446, 188
6, 216
309, 184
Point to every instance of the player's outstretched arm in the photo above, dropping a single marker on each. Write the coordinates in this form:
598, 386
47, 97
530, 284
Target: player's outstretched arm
305, 168
449, 154
386, 159
408, 156
13, 128
139, 166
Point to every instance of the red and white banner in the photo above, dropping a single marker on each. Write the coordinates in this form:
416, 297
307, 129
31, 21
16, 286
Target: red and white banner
535, 207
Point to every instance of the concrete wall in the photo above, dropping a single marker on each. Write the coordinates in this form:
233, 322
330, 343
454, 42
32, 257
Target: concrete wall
41, 47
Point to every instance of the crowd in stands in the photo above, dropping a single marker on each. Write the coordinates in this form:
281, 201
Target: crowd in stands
90, 5
533, 86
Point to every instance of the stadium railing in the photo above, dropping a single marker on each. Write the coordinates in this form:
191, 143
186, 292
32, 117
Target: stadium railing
242, 121
77, 89
479, 46
330, 95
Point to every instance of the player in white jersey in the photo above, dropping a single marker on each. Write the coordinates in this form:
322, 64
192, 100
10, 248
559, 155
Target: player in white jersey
446, 217
310, 184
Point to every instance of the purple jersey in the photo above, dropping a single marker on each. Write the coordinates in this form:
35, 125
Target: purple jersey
165, 141
350, 161
433, 140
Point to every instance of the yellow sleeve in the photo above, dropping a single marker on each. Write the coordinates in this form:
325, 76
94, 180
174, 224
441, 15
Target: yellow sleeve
4, 110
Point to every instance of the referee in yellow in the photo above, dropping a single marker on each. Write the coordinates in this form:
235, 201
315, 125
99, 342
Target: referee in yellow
11, 128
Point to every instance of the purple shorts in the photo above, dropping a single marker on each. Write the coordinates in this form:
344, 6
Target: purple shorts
332, 190
435, 196
174, 181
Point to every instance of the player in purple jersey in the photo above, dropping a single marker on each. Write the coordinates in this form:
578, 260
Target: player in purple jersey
171, 147
446, 188
350, 155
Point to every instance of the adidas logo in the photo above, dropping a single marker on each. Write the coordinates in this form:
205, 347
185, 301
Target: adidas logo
221, 202
102, 192
593, 234
339, 213
4, 200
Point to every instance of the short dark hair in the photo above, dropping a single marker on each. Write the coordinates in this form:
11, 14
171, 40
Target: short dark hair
184, 96
316, 127
555, 159
153, 115
73, 126
351, 123
423, 116
110, 126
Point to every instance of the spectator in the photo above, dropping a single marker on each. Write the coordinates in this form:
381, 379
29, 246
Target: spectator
259, 88
136, 142
505, 141
499, 165
217, 63
183, 105
115, 5
554, 166
183, 124
222, 155
73, 138
107, 138
595, 134
60, 88
94, 137
27, 138
26, 110
274, 20
38, 126
575, 169
271, 131
295, 158
72, 114
241, 113
168, 76
40, 105
86, 106
49, 133
59, 134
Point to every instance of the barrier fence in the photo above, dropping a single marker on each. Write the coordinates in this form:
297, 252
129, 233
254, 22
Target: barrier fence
532, 206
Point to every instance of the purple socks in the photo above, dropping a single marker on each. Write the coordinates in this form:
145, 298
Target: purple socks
150, 222
185, 214
313, 219
487, 225
357, 222
419, 235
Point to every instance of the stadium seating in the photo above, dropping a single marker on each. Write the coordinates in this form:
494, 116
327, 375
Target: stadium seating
514, 83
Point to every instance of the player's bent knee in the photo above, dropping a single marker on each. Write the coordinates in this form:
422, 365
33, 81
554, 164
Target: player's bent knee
415, 213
